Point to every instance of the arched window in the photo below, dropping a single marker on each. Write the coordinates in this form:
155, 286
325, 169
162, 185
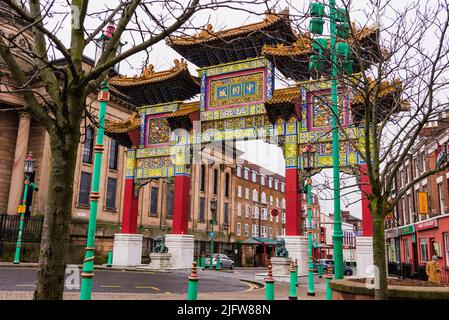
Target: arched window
227, 181
203, 177
255, 195
215, 181
88, 145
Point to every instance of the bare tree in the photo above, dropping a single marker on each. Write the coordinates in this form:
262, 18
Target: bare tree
55, 94
399, 86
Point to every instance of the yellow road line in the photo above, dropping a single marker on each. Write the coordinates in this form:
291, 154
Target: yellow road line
147, 287
109, 286
25, 285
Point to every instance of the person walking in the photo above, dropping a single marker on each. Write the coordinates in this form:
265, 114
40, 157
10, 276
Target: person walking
433, 270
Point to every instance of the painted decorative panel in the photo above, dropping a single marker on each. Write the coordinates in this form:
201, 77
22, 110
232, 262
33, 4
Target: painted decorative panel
158, 131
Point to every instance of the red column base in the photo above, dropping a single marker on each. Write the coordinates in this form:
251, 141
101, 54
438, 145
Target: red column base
130, 208
293, 210
181, 204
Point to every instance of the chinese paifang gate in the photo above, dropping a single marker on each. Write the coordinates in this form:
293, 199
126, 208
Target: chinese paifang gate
237, 101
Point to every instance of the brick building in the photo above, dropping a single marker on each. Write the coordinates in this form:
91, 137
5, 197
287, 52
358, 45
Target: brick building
413, 238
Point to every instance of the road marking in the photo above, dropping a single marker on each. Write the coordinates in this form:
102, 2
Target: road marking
147, 287
25, 285
109, 286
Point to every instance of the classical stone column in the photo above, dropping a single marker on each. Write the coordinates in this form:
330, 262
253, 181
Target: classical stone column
16, 186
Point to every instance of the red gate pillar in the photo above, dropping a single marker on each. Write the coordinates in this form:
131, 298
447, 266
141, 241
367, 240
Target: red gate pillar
293, 212
128, 244
181, 204
365, 188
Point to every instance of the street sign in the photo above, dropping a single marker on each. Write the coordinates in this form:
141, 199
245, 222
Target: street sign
274, 212
422, 202
211, 235
21, 209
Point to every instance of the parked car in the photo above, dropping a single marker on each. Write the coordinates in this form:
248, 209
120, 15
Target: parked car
225, 261
326, 262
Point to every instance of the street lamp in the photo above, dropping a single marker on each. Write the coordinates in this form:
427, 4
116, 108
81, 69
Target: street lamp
340, 58
103, 98
213, 208
28, 169
102, 42
308, 163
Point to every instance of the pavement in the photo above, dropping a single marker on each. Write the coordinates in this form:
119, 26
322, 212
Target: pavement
17, 283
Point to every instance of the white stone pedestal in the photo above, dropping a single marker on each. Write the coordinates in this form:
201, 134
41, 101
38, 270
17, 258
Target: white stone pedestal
297, 249
364, 257
160, 260
180, 246
280, 266
127, 250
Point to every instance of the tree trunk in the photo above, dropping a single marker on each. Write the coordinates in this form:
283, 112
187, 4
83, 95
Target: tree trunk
380, 271
55, 233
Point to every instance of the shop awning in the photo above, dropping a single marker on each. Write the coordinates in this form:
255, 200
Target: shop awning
259, 240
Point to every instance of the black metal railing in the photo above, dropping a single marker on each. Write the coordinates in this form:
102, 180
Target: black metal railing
32, 228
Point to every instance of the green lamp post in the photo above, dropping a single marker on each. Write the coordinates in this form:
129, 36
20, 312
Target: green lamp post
28, 169
340, 54
308, 159
213, 208
88, 266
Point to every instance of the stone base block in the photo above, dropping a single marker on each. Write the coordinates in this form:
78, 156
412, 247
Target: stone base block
280, 266
127, 250
160, 260
297, 247
364, 256
180, 246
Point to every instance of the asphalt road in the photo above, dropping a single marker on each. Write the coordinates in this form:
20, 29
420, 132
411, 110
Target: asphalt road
115, 281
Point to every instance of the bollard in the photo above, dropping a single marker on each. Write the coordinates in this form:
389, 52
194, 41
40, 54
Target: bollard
109, 259
198, 261
269, 284
203, 262
217, 264
293, 281
328, 283
320, 271
192, 292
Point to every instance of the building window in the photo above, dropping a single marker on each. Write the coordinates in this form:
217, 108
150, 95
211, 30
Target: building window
170, 203
227, 180
202, 210
277, 202
246, 193
226, 213
255, 230
446, 247
271, 232
239, 171
276, 184
113, 155
239, 209
262, 180
283, 231
283, 203
263, 213
246, 230
254, 176
85, 184
154, 201
255, 195
246, 210
203, 178
441, 197
255, 212
270, 183
277, 232
215, 181
406, 250
423, 250
263, 231
88, 145
111, 193
282, 187
239, 191
239, 229
283, 217
246, 173
271, 200
263, 198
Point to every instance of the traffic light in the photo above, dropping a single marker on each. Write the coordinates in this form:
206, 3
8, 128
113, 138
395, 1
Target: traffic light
317, 22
